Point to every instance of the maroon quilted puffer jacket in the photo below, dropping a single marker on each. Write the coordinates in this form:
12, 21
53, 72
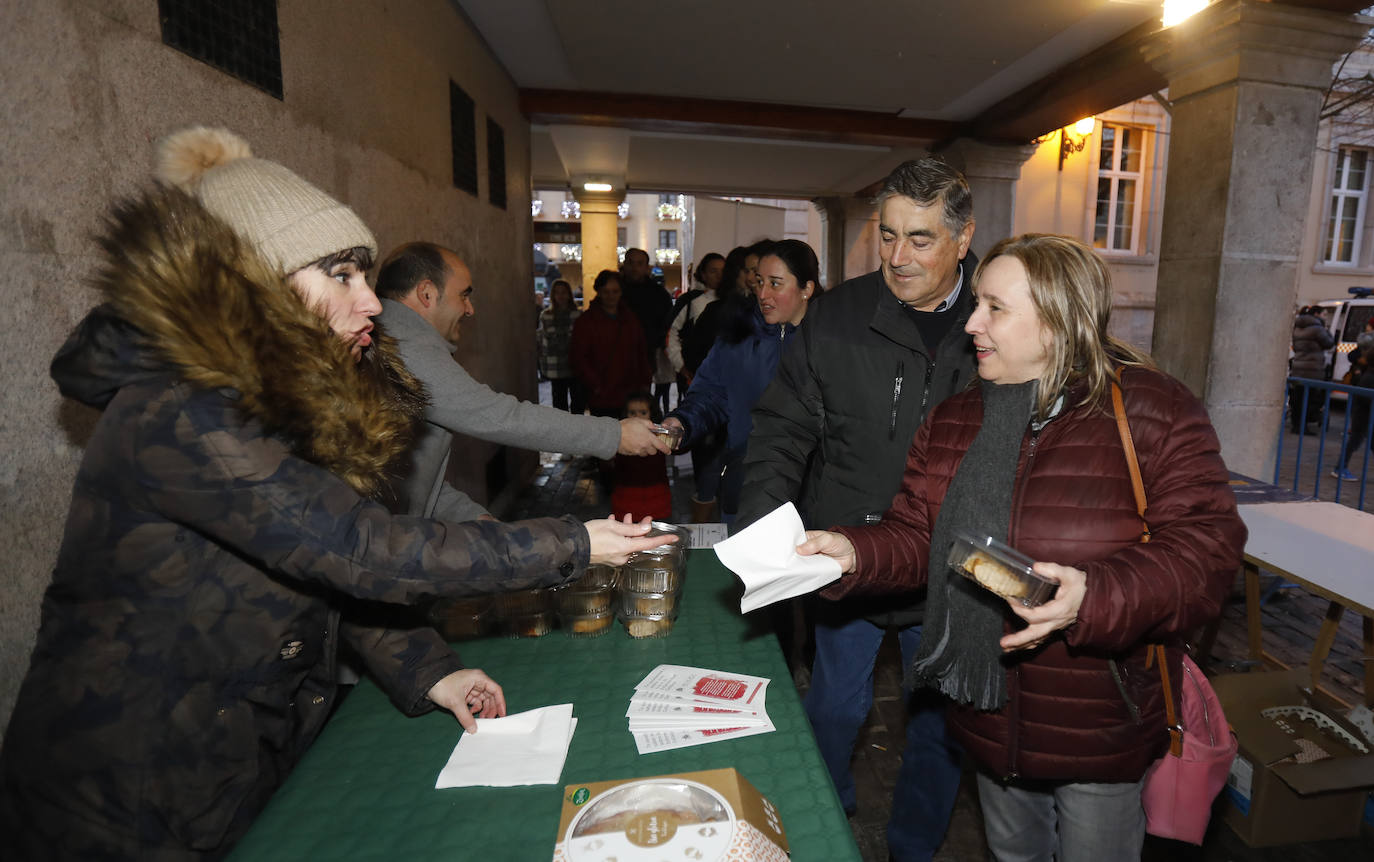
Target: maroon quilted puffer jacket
1065, 717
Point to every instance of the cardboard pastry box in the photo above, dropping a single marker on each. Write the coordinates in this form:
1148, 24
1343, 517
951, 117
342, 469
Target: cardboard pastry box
699, 816
1302, 772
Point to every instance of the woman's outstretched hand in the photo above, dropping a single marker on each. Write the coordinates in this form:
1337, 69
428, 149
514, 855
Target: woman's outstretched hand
614, 541
1060, 613
833, 545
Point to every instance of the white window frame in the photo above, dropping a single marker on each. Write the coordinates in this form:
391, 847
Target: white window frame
1137, 210
1336, 192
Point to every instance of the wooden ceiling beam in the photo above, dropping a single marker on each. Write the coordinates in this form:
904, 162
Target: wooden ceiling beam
675, 114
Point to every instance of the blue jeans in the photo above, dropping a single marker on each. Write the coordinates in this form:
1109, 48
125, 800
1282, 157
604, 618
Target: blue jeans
838, 703
1068, 822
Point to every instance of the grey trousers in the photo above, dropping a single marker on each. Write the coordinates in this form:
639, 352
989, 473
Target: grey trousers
1067, 822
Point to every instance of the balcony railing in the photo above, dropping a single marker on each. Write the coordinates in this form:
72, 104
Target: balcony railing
1312, 461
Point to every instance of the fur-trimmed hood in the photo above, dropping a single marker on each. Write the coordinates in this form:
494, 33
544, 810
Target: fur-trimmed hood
187, 298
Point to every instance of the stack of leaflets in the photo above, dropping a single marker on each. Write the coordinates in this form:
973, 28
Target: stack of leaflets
676, 707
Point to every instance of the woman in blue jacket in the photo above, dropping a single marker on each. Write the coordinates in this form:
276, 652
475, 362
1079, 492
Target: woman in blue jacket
741, 364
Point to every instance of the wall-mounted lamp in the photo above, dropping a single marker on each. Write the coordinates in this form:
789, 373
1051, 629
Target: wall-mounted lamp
1072, 139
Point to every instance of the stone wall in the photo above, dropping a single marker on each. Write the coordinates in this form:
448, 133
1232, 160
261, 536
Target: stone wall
89, 87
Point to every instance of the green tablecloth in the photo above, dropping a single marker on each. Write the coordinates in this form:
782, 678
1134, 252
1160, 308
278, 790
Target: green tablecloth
366, 788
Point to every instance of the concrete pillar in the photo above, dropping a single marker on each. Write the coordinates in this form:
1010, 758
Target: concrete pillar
599, 222
1246, 81
849, 238
992, 171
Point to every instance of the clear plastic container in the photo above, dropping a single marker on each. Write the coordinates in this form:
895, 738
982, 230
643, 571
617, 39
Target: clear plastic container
523, 603
590, 594
651, 575
586, 625
462, 619
669, 434
633, 603
997, 567
527, 625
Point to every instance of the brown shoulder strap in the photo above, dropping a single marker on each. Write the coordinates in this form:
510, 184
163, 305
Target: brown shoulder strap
1128, 444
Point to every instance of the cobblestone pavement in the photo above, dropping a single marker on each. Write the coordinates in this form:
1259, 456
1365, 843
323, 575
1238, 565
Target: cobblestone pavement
1291, 617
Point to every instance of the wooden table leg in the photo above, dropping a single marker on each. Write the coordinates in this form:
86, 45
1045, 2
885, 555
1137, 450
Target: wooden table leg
1326, 636
1369, 661
1252, 612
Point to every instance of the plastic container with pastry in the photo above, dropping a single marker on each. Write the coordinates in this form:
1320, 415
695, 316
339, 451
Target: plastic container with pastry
590, 594
999, 568
461, 619
648, 625
527, 625
670, 553
651, 576
523, 603
576, 625
632, 603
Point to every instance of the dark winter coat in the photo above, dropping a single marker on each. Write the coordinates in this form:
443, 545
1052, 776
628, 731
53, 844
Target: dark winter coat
608, 356
832, 431
1311, 340
1065, 718
729, 382
185, 657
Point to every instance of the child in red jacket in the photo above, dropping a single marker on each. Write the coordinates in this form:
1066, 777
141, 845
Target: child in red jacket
640, 484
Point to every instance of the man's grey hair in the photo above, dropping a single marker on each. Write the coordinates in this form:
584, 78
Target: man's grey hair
928, 181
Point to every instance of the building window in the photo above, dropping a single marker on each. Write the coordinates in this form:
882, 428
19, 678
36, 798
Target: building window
1120, 189
238, 37
496, 164
462, 118
667, 200
1345, 222
622, 236
667, 239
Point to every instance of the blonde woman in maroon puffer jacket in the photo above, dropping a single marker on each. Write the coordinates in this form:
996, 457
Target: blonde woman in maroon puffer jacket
1031, 456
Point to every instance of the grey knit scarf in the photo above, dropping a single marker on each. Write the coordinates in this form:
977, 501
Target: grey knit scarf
959, 653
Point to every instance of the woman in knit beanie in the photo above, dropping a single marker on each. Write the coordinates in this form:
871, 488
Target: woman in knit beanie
222, 522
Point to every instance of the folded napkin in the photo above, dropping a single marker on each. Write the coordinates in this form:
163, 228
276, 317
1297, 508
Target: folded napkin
764, 556
526, 748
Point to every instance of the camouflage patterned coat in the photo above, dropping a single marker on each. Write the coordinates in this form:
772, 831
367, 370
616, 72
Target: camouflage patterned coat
185, 657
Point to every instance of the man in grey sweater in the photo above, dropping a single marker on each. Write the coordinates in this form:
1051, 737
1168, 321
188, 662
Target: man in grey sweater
426, 294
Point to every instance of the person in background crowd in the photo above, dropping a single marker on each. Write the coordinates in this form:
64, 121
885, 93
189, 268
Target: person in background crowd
640, 484
648, 300
426, 293
742, 364
1058, 708
1361, 374
1311, 340
686, 312
736, 304
607, 349
222, 517
831, 433
555, 335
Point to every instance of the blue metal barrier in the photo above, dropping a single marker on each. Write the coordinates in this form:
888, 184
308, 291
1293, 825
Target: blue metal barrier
1330, 442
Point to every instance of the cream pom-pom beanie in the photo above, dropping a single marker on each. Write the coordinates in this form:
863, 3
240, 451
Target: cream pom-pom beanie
288, 220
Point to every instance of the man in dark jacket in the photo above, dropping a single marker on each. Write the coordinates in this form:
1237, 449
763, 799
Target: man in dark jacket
1311, 340
649, 301
832, 432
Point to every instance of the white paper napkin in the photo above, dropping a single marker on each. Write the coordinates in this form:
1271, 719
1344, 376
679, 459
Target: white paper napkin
525, 748
764, 556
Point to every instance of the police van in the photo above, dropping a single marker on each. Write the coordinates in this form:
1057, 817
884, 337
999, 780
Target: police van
1345, 320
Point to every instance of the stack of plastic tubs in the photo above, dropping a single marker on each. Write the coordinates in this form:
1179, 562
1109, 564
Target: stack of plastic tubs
585, 607
651, 584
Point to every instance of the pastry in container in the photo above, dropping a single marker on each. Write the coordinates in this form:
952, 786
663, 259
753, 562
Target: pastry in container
527, 625
462, 619
586, 625
999, 568
649, 626
651, 575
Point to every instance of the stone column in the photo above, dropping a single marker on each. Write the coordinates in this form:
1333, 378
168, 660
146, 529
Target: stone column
849, 238
1246, 80
599, 222
992, 171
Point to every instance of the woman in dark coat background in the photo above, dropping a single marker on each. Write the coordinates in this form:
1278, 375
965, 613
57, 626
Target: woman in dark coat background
607, 351
1031, 456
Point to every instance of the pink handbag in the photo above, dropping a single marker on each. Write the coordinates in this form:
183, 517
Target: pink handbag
1179, 787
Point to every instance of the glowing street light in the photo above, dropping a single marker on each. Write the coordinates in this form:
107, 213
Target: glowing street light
1178, 11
